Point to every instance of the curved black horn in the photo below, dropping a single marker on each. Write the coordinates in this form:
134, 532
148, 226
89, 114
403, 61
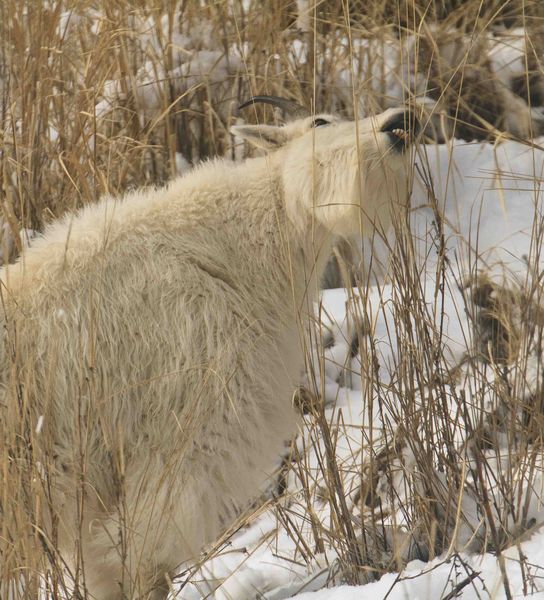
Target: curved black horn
289, 107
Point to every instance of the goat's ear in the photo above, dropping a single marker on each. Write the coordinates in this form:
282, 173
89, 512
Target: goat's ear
268, 137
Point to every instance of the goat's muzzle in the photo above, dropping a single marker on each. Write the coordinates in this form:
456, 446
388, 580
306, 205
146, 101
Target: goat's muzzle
402, 129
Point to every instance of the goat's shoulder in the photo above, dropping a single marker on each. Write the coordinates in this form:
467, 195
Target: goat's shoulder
188, 208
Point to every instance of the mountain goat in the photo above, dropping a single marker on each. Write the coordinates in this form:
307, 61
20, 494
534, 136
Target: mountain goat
151, 348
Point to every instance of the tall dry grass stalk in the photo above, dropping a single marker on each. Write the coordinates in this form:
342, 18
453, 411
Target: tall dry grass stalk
97, 97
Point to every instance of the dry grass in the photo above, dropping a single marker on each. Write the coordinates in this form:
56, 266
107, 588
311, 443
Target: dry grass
100, 96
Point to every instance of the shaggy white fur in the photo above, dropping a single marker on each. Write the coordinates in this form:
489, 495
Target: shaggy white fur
152, 343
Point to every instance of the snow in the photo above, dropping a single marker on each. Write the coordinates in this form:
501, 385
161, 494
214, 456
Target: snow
507, 54
436, 579
264, 574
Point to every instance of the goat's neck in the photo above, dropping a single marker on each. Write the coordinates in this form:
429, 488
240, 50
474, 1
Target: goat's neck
301, 244
309, 252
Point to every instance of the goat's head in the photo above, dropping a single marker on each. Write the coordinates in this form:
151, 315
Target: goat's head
348, 175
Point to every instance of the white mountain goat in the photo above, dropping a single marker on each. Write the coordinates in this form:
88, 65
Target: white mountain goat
152, 346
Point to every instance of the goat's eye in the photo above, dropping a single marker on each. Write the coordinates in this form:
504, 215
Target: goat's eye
319, 122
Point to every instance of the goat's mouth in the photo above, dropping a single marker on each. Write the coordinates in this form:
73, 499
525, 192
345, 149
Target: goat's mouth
401, 130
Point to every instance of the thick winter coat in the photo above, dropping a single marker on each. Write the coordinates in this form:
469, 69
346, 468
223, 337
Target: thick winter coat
152, 344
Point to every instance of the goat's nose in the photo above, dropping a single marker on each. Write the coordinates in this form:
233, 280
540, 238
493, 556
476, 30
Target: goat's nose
402, 123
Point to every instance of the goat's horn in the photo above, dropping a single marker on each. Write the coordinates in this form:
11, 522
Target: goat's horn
290, 108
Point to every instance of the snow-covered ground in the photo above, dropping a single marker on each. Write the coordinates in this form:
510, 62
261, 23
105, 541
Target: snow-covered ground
490, 201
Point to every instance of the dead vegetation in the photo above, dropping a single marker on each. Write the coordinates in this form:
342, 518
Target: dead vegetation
98, 97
